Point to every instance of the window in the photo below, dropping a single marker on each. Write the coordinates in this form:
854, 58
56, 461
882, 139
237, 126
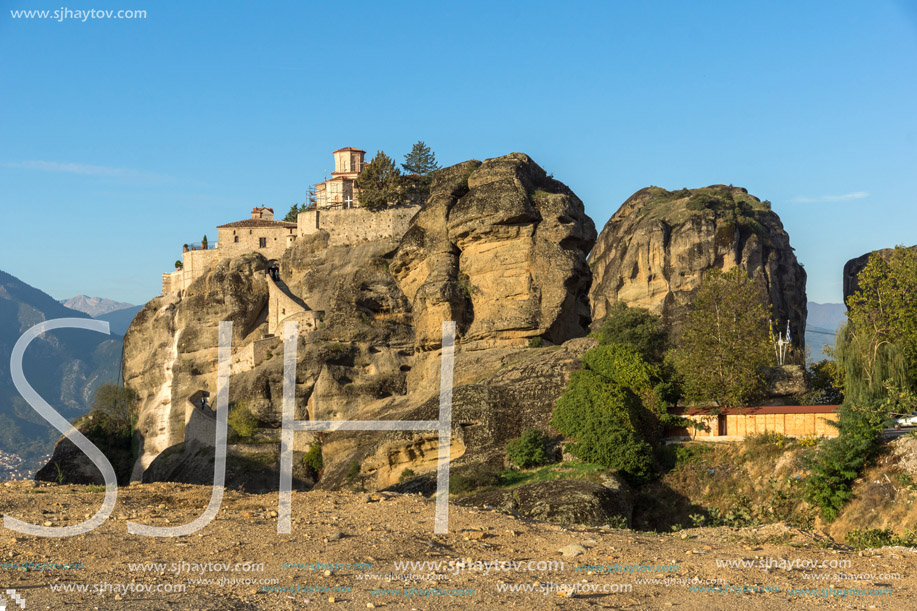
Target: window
262, 242
235, 239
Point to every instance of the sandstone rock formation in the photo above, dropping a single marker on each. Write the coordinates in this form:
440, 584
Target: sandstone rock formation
654, 251
853, 267
500, 248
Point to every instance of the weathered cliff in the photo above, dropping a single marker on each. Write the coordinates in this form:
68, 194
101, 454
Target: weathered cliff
500, 248
654, 250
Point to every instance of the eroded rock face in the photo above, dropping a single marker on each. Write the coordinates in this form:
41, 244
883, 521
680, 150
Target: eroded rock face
654, 250
170, 349
501, 248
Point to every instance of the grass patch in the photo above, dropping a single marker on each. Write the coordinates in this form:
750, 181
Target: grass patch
574, 470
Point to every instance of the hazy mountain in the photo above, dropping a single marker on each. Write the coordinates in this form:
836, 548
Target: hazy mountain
94, 306
821, 324
120, 320
64, 367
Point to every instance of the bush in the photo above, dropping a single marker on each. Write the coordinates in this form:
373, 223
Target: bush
635, 327
118, 406
840, 460
242, 421
605, 420
875, 537
406, 475
353, 471
768, 438
535, 342
528, 450
313, 458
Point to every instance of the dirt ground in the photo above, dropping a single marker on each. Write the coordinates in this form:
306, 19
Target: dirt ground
344, 546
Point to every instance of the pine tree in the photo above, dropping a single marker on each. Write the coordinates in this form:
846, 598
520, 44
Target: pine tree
293, 213
379, 183
420, 160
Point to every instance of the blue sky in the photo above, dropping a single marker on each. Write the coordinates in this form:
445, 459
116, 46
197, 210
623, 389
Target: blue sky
122, 139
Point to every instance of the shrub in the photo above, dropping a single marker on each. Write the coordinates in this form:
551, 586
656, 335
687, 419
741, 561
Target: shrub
406, 475
875, 537
535, 342
313, 458
605, 420
528, 450
242, 420
768, 438
353, 471
635, 327
840, 460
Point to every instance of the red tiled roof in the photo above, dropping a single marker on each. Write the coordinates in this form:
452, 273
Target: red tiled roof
759, 410
349, 148
258, 223
271, 210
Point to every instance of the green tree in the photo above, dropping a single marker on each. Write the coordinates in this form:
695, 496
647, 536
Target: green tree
379, 183
875, 356
725, 341
883, 315
117, 406
204, 242
637, 327
293, 213
420, 160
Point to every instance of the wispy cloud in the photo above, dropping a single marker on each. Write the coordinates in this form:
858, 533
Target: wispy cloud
831, 198
83, 169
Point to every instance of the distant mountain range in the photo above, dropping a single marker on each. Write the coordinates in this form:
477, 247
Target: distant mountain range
94, 306
64, 367
822, 322
120, 320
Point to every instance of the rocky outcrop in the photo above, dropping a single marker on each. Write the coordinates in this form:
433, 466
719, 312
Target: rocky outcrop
69, 465
853, 267
253, 468
561, 502
655, 249
498, 394
501, 248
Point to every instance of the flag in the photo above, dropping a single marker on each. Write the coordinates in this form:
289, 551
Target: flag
789, 338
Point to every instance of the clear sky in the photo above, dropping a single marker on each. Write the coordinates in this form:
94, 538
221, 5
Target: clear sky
120, 140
